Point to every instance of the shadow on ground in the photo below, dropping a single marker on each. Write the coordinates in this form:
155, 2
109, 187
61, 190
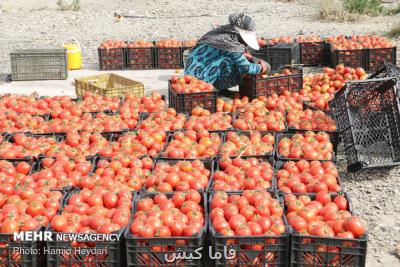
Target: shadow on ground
5, 78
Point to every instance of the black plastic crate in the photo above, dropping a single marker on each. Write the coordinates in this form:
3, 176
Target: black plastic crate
314, 53
269, 159
309, 250
18, 253
95, 253
376, 56
368, 117
261, 53
182, 102
349, 58
158, 251
283, 54
387, 70
278, 156
111, 58
255, 86
168, 57
254, 251
208, 164
140, 58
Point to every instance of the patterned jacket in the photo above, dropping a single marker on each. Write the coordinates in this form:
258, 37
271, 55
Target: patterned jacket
221, 68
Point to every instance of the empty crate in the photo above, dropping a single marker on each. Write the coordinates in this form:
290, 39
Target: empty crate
108, 85
368, 117
283, 54
39, 64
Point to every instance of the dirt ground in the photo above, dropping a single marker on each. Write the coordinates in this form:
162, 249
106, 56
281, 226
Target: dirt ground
38, 24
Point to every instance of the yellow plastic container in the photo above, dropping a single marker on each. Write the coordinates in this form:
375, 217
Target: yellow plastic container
74, 53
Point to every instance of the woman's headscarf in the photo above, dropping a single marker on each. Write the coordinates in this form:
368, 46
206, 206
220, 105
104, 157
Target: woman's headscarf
226, 37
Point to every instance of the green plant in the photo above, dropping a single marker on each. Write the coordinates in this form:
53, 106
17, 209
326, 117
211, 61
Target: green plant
368, 7
394, 11
74, 5
333, 10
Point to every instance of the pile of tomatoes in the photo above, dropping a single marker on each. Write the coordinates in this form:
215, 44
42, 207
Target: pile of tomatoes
94, 211
133, 104
257, 117
243, 174
122, 172
320, 88
110, 44
189, 84
203, 119
325, 215
247, 144
359, 42
192, 144
140, 44
168, 120
28, 210
250, 213
179, 176
310, 146
308, 177
282, 39
311, 120
61, 172
236, 104
169, 43
309, 39
180, 214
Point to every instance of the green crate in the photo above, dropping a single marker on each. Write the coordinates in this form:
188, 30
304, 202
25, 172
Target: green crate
39, 64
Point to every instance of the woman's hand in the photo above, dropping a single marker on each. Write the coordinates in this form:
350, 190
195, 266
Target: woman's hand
265, 67
248, 56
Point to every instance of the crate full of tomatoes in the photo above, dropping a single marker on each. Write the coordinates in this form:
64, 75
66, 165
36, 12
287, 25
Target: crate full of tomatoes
112, 55
346, 51
168, 54
377, 50
248, 228
286, 78
313, 50
324, 231
313, 119
166, 227
102, 215
366, 51
187, 92
39, 207
140, 55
